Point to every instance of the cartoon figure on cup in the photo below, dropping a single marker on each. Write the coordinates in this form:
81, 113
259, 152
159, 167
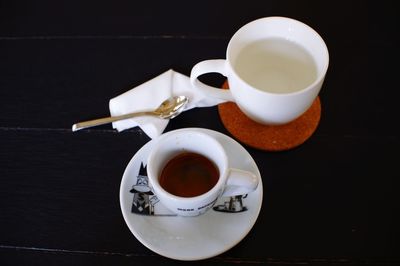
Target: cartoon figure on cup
142, 202
232, 204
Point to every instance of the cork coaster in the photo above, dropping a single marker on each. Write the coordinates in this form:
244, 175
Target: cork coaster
269, 138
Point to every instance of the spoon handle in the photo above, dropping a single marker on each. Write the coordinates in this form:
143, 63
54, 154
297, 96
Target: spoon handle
105, 120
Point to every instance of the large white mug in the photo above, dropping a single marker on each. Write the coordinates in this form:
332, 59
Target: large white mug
275, 68
229, 181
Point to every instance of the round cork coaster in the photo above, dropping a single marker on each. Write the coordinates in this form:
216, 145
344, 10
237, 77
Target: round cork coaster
269, 138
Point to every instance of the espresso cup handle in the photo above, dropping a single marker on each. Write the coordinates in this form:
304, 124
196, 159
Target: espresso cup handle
210, 66
239, 183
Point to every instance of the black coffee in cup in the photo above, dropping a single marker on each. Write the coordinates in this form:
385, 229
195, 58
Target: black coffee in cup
188, 175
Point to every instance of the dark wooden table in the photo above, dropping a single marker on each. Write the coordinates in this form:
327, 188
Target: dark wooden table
334, 200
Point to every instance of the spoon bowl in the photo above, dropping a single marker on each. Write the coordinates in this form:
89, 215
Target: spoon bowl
171, 107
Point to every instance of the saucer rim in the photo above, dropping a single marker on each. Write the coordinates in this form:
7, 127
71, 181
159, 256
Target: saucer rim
211, 254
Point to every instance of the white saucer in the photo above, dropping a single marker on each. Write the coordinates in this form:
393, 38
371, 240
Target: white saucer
188, 238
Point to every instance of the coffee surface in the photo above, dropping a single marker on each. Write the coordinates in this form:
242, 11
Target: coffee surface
188, 175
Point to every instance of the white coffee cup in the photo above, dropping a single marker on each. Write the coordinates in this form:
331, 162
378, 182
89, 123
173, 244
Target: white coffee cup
275, 68
231, 182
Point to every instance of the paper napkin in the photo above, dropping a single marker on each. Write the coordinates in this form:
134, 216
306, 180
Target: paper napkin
149, 95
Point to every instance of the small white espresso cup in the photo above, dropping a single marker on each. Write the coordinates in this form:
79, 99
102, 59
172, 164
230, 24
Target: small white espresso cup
231, 182
275, 68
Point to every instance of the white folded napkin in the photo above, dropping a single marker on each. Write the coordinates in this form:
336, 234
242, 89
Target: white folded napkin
149, 95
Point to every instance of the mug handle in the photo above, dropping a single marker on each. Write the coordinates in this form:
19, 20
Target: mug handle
239, 182
210, 66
